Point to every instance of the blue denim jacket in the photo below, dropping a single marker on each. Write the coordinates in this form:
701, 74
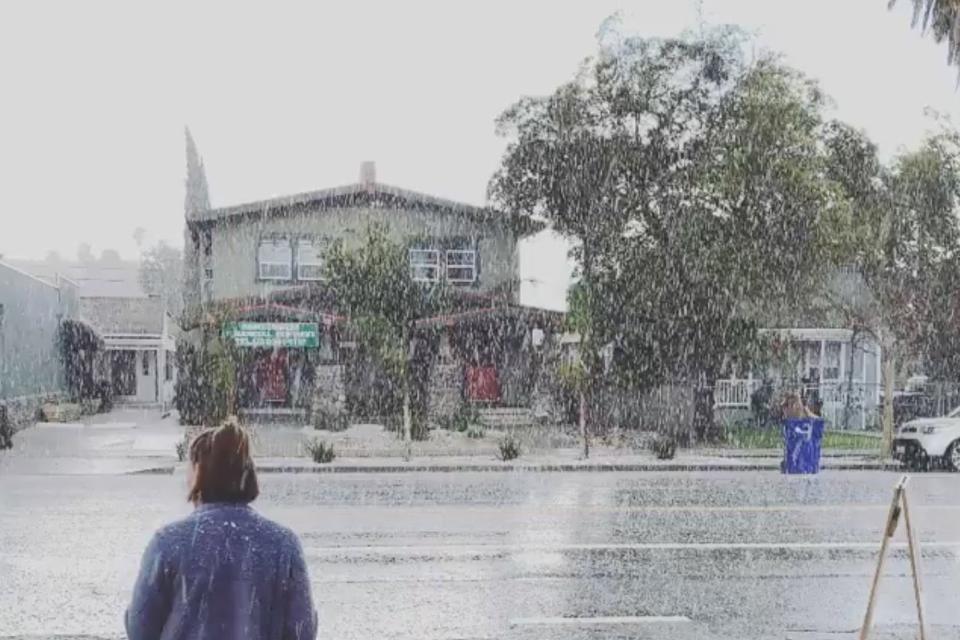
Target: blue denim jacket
224, 572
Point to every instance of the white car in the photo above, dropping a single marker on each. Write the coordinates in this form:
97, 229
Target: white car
925, 440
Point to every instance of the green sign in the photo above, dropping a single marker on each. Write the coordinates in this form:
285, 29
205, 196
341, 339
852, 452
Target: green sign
273, 334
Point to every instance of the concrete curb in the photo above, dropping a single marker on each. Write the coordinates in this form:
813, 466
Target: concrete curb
535, 468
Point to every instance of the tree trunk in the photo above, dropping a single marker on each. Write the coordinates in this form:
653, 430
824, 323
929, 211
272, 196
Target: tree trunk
407, 418
888, 384
847, 404
588, 354
704, 421
584, 435
407, 386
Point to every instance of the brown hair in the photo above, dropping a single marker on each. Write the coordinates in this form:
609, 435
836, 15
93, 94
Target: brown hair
793, 406
224, 470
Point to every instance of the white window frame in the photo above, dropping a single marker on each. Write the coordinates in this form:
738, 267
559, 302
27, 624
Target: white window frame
261, 263
472, 265
318, 246
433, 264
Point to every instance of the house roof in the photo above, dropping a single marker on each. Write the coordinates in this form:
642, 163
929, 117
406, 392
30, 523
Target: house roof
117, 280
123, 316
502, 311
373, 194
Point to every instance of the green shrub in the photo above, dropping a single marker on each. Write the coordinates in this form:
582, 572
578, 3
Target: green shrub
90, 406
509, 448
182, 448
476, 432
6, 430
462, 420
206, 382
321, 452
324, 420
419, 428
664, 447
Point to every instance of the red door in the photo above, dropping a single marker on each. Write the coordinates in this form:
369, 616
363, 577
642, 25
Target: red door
483, 384
272, 377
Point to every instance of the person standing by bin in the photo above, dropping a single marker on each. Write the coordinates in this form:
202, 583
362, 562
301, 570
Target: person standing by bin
793, 407
802, 433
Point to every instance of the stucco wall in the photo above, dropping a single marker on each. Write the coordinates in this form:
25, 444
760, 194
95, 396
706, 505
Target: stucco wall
29, 356
235, 243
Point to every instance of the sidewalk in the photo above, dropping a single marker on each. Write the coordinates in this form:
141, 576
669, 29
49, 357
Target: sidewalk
136, 441
122, 441
563, 460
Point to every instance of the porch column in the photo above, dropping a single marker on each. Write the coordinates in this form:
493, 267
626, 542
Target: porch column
823, 358
844, 348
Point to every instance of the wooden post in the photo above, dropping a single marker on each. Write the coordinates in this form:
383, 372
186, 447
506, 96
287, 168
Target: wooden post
898, 505
914, 549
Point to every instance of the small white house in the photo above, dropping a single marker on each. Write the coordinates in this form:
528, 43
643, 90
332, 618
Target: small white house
140, 339
841, 368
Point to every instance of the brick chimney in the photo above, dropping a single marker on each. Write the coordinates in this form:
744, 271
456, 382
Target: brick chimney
368, 174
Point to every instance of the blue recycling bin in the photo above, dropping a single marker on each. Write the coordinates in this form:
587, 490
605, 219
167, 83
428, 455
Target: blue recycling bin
801, 445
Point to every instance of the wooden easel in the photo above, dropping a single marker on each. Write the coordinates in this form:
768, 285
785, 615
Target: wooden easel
897, 506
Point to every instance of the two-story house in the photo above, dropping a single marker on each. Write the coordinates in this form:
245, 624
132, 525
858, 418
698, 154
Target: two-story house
260, 264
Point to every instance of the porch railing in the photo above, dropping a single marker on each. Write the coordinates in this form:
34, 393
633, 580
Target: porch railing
854, 405
734, 392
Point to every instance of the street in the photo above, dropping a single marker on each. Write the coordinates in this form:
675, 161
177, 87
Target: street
513, 555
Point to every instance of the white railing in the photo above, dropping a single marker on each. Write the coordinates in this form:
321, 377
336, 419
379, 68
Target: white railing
734, 392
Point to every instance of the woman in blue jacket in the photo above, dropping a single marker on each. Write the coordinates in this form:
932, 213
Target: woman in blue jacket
224, 572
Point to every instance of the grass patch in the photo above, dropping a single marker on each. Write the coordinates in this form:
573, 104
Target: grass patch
771, 438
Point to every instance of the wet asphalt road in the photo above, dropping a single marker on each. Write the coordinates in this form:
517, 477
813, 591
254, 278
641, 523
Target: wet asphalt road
531, 555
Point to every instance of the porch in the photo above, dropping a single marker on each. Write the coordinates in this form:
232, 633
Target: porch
493, 359
837, 366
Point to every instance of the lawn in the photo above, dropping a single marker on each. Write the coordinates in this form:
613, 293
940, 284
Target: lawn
753, 438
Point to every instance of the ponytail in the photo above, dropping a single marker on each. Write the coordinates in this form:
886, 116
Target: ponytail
223, 467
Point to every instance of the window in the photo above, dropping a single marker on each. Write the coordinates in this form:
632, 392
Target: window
146, 363
310, 258
168, 366
831, 367
207, 243
275, 259
425, 265
461, 265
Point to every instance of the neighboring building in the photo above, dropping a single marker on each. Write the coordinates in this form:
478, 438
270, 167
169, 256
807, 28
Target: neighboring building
99, 279
32, 313
823, 353
836, 366
140, 339
263, 261
139, 335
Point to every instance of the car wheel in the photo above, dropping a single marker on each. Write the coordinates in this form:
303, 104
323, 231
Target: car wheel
953, 456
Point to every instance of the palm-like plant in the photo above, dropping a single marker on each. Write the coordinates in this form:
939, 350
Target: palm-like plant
942, 19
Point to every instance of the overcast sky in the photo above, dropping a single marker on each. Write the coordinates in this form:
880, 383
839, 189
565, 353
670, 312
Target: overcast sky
285, 97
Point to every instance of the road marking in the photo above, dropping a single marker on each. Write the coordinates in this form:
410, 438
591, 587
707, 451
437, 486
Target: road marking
626, 546
600, 620
571, 509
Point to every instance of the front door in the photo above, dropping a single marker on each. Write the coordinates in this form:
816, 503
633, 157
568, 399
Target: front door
147, 376
272, 377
